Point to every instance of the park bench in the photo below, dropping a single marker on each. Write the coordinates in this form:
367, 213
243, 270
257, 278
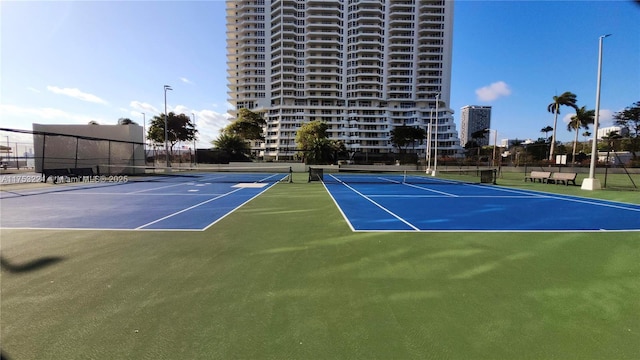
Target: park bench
67, 173
541, 176
565, 178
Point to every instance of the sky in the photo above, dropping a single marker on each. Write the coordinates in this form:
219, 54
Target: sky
71, 62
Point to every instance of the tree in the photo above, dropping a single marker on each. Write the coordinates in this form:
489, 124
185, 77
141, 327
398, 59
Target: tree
403, 136
232, 144
611, 140
630, 118
312, 141
248, 125
179, 128
338, 148
477, 135
538, 149
126, 121
581, 119
517, 149
546, 130
566, 99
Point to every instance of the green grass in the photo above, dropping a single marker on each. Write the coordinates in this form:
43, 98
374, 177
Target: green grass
284, 278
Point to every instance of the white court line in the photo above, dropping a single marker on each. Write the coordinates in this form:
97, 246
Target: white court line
428, 189
187, 209
378, 205
238, 207
569, 198
137, 194
458, 196
158, 188
344, 216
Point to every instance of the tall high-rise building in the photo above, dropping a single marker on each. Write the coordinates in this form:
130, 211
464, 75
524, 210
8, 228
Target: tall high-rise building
361, 66
474, 118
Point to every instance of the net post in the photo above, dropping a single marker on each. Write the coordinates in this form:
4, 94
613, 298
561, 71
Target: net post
290, 175
316, 174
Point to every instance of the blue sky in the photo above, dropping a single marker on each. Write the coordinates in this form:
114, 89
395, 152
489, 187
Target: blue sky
77, 61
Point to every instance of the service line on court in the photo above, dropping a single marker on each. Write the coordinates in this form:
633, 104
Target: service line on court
187, 209
158, 188
238, 207
378, 205
431, 190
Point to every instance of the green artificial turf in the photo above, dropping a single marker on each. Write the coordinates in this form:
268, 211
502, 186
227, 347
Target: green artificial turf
284, 278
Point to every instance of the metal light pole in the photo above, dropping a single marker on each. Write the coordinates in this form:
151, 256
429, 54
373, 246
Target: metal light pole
8, 150
435, 155
144, 136
591, 183
428, 152
166, 132
195, 160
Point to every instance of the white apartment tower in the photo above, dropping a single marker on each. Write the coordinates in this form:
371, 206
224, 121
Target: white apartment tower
474, 118
361, 66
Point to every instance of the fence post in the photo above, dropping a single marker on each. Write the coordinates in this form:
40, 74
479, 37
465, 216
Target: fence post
76, 160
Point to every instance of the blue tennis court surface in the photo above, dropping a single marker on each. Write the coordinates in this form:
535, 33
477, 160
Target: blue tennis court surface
390, 205
180, 203
442, 205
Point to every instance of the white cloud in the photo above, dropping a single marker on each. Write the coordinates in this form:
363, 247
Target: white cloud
493, 91
181, 109
606, 118
146, 108
209, 123
186, 81
77, 94
21, 117
32, 89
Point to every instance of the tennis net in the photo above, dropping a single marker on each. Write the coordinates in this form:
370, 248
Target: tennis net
388, 176
212, 174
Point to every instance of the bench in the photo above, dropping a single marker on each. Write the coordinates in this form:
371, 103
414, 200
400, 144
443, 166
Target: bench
564, 178
67, 173
541, 176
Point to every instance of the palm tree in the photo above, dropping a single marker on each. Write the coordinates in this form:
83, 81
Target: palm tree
567, 99
232, 144
546, 130
581, 119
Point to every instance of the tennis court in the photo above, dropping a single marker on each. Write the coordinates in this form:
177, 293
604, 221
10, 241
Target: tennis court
372, 202
191, 201
387, 202
284, 276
